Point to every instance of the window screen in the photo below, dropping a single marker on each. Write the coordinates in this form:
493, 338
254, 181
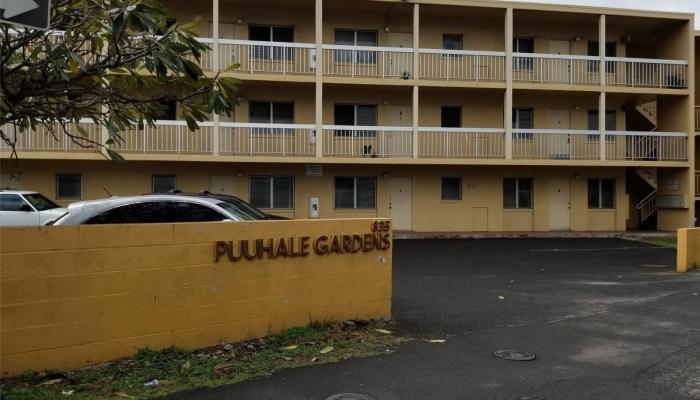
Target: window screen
163, 183
601, 193
272, 191
68, 186
451, 188
517, 193
452, 42
355, 192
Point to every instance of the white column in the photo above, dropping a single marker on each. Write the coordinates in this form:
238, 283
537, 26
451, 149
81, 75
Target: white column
508, 98
601, 123
319, 78
215, 61
602, 38
416, 75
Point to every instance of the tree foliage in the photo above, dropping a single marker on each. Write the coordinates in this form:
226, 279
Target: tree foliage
115, 62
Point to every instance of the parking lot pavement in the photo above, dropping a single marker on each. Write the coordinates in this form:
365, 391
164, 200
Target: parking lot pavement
607, 319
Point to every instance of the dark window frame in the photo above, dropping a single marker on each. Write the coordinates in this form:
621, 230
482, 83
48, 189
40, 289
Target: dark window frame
445, 108
58, 186
594, 51
270, 53
271, 131
271, 181
355, 193
516, 121
613, 121
517, 205
443, 180
153, 182
340, 133
599, 201
524, 63
363, 57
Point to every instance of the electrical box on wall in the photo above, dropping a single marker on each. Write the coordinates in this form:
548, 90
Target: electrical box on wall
314, 211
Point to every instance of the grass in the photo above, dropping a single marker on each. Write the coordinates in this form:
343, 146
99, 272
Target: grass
178, 370
663, 242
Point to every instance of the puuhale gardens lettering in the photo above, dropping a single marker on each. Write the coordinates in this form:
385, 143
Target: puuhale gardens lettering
301, 247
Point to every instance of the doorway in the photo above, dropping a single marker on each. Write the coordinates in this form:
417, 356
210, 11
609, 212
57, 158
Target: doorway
560, 205
561, 71
398, 64
401, 203
400, 143
559, 145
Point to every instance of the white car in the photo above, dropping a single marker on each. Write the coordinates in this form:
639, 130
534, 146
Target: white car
149, 209
26, 208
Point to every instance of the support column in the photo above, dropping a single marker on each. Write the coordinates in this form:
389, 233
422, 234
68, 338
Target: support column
319, 78
601, 124
508, 98
602, 38
215, 67
416, 75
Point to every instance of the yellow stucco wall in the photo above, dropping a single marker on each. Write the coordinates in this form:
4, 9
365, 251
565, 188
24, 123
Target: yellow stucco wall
73, 296
688, 253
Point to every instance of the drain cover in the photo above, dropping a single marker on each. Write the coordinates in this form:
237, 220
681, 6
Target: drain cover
514, 355
349, 396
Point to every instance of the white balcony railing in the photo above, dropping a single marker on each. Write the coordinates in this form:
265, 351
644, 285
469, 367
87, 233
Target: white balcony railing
286, 140
642, 72
167, 137
554, 144
42, 140
462, 65
646, 146
367, 141
461, 143
555, 68
368, 61
268, 57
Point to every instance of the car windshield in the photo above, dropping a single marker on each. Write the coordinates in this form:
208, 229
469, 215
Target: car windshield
245, 208
40, 202
233, 209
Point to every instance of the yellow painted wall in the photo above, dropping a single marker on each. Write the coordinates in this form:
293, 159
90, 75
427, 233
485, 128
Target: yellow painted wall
482, 29
74, 296
482, 198
688, 252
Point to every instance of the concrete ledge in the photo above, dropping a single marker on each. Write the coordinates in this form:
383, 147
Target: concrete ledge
536, 235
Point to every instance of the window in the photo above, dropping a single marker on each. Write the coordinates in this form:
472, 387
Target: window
192, 212
523, 46
523, 118
68, 186
266, 33
610, 51
356, 38
268, 112
610, 124
163, 183
601, 193
168, 110
272, 191
40, 202
451, 117
452, 41
355, 115
154, 212
517, 193
13, 202
355, 192
451, 188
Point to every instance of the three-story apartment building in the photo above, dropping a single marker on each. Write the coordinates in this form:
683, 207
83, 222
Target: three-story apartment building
445, 115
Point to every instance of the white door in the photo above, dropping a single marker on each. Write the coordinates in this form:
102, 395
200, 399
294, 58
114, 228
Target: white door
559, 205
401, 203
225, 184
399, 143
400, 64
559, 70
559, 145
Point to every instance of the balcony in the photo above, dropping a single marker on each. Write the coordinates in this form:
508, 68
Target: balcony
371, 142
368, 62
267, 57
462, 65
556, 69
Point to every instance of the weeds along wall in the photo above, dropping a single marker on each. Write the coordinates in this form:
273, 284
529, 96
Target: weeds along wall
76, 296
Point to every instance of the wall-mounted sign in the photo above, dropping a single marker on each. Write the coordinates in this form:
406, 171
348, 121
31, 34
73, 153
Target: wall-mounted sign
379, 239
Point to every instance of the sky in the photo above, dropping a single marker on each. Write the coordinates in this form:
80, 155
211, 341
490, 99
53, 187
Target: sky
661, 5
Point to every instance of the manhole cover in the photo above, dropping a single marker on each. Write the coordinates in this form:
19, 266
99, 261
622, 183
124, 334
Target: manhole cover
349, 396
514, 355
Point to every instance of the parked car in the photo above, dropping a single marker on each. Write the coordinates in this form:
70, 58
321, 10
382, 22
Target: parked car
27, 208
241, 205
165, 208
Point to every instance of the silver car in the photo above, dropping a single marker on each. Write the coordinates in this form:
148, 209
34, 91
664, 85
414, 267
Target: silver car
149, 209
27, 208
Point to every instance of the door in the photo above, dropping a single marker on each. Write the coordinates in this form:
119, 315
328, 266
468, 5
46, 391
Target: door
400, 64
222, 184
400, 143
559, 205
401, 203
560, 68
559, 144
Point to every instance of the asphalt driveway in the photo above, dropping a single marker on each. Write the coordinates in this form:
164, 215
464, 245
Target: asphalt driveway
608, 320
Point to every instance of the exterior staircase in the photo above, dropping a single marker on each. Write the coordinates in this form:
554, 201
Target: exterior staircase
649, 111
647, 206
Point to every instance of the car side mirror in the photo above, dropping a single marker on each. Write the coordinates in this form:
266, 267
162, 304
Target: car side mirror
25, 208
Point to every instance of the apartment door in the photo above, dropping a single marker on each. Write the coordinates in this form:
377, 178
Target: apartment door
559, 145
559, 204
400, 64
560, 70
222, 184
401, 203
399, 143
